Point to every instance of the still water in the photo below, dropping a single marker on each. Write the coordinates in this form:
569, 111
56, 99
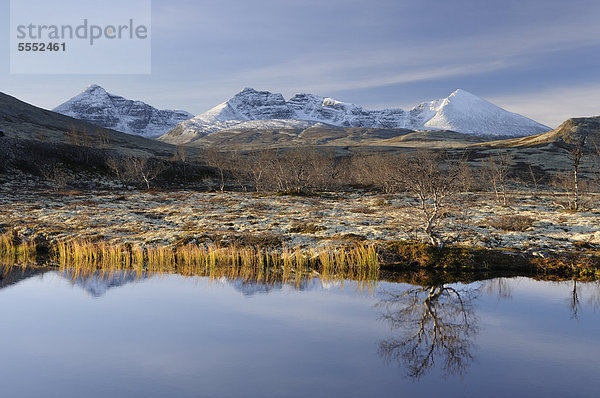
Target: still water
171, 336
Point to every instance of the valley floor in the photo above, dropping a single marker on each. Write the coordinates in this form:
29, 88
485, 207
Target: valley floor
158, 217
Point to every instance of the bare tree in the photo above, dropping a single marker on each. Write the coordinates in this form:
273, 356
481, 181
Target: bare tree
82, 142
219, 162
434, 179
596, 144
258, 164
290, 171
324, 169
115, 166
533, 178
103, 139
136, 169
571, 182
180, 156
239, 168
496, 171
576, 152
146, 169
72, 136
383, 171
298, 170
294, 171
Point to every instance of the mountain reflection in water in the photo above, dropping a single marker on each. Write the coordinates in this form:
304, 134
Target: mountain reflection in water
143, 333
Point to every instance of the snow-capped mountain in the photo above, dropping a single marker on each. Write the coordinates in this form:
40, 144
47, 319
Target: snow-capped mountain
462, 112
96, 106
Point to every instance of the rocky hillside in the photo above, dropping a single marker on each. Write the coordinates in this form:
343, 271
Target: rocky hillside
96, 106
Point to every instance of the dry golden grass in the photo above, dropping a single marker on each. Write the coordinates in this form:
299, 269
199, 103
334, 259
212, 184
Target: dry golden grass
16, 251
233, 262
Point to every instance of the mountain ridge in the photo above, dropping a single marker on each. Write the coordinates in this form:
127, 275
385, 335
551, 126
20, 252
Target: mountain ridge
462, 112
97, 106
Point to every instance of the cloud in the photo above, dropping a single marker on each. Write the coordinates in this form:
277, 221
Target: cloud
554, 106
359, 68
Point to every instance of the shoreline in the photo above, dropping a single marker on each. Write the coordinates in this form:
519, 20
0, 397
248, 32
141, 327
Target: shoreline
363, 261
532, 234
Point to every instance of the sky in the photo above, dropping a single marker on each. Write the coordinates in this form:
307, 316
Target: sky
538, 58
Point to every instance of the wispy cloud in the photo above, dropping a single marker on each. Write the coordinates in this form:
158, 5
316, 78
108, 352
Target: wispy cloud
555, 105
382, 53
366, 68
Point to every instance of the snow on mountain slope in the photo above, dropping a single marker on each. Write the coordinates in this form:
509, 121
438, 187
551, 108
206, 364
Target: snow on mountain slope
461, 112
466, 113
96, 106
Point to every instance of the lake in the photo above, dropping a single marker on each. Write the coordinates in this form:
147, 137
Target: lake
138, 335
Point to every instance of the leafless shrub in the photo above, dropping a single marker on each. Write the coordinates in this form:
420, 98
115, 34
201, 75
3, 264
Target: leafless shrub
298, 171
180, 157
257, 166
575, 194
220, 162
496, 170
515, 223
136, 169
57, 177
379, 170
291, 171
306, 228
103, 139
81, 143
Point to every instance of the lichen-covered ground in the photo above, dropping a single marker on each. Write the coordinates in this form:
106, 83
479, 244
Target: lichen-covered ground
160, 217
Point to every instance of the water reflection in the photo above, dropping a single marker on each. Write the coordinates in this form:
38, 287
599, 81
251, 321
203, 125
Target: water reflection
434, 324
574, 303
96, 284
158, 331
580, 290
11, 275
500, 287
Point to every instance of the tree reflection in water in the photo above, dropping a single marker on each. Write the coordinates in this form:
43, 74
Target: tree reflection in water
436, 323
574, 303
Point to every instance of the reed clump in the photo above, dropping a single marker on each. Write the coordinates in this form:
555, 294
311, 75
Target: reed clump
233, 262
14, 250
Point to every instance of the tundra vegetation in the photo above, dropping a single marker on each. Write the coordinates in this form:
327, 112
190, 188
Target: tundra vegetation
439, 186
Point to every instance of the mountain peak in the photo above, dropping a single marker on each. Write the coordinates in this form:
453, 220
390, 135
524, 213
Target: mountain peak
463, 94
95, 105
460, 91
94, 88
